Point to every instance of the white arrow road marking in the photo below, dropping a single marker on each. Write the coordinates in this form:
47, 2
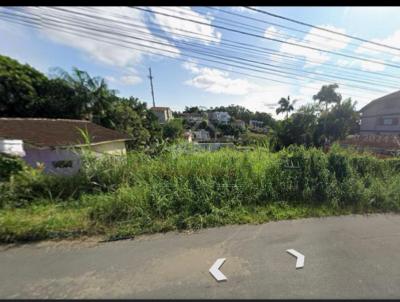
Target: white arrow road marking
215, 272
300, 257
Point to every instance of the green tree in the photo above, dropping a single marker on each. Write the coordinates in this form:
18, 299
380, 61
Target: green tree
94, 98
230, 130
173, 130
327, 95
194, 109
58, 101
21, 89
241, 113
25, 92
285, 106
342, 120
298, 129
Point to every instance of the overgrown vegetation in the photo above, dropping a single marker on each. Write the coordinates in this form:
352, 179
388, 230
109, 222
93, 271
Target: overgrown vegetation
26, 92
9, 165
184, 188
163, 185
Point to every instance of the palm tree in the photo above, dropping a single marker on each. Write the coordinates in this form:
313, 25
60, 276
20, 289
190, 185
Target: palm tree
328, 95
285, 106
95, 97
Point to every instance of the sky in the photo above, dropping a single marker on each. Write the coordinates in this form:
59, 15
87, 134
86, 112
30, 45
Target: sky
137, 39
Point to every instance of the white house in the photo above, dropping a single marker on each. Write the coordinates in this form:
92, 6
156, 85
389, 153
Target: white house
221, 117
188, 135
164, 114
195, 117
55, 143
239, 123
201, 135
256, 124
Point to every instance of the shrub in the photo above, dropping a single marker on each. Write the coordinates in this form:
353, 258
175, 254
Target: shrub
185, 188
125, 204
9, 165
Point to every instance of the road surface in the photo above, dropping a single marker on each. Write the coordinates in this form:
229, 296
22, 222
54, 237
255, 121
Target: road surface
345, 257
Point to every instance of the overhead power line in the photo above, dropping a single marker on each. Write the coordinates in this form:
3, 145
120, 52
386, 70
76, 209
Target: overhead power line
239, 24
254, 64
236, 59
235, 44
273, 39
323, 29
61, 28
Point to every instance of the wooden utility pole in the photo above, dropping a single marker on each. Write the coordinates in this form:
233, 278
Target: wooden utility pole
151, 85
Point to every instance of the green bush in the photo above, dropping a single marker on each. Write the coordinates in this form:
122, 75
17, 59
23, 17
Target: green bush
9, 165
184, 188
125, 204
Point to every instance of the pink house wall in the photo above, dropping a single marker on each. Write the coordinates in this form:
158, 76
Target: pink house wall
48, 156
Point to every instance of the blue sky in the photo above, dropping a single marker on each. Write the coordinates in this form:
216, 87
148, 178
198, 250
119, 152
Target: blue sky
186, 81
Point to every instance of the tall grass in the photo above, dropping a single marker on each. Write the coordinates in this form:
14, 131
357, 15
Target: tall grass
185, 188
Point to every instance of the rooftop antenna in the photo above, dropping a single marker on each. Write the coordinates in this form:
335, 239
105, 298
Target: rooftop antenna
151, 85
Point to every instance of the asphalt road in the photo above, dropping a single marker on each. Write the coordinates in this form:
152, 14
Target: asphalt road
345, 257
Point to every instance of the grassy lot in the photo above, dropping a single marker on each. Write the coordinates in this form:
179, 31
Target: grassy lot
188, 189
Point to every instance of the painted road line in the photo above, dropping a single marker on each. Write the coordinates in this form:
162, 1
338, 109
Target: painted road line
300, 257
215, 272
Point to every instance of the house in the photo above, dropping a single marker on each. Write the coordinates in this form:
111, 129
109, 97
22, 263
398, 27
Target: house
201, 135
164, 114
381, 116
55, 143
239, 123
229, 137
188, 136
256, 124
195, 117
220, 117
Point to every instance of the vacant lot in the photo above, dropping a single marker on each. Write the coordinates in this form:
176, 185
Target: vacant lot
188, 189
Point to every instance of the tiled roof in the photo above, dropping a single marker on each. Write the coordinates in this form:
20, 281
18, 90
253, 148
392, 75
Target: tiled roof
392, 96
55, 132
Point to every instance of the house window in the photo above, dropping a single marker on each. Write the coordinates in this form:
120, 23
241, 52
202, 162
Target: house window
389, 121
62, 164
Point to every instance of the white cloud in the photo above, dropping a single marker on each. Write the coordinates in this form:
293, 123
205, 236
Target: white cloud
327, 40
110, 79
242, 9
125, 79
191, 66
172, 25
371, 66
265, 98
103, 52
316, 38
372, 49
312, 57
251, 95
216, 81
367, 48
270, 32
345, 63
130, 79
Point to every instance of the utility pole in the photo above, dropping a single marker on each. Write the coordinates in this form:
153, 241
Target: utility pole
151, 85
